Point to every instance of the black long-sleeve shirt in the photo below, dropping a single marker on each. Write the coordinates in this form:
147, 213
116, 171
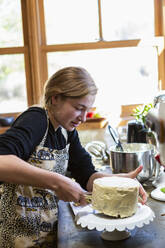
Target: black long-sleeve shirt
27, 132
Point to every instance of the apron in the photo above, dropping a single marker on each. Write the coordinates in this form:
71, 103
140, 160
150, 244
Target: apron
28, 215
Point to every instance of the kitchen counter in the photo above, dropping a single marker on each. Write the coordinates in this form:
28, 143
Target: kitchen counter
152, 235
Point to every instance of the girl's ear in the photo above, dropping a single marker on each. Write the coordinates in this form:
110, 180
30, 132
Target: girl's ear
54, 99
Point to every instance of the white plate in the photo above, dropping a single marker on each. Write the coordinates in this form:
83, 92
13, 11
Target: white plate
157, 194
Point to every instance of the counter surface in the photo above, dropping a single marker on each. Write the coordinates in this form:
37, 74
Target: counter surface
152, 235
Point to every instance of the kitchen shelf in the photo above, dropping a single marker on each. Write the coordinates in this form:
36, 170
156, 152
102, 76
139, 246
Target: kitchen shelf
93, 124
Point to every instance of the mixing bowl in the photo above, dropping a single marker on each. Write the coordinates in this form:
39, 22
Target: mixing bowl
133, 155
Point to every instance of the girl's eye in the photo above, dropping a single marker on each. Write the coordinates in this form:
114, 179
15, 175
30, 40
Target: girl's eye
79, 109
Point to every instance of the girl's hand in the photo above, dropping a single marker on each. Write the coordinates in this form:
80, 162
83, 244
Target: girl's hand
70, 191
133, 174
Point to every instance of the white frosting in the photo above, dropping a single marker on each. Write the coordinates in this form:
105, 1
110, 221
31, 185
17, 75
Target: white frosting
115, 181
133, 147
115, 196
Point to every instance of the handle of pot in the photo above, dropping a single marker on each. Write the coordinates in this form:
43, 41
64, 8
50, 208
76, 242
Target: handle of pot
153, 164
152, 138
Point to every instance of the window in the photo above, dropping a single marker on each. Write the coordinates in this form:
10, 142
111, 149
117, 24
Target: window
136, 79
128, 19
71, 21
11, 24
12, 70
12, 84
121, 43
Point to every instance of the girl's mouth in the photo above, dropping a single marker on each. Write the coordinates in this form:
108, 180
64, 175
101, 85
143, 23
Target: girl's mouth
75, 124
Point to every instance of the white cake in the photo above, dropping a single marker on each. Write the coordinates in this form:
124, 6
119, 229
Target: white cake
115, 196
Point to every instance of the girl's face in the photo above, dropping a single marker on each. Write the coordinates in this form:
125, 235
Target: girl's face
70, 112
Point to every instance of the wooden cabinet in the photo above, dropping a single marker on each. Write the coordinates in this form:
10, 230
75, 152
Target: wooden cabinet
3, 129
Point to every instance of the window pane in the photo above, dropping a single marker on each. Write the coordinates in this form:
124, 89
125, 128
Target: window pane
71, 21
10, 23
12, 84
124, 75
127, 19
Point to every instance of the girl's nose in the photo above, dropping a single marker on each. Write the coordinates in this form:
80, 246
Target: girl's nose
83, 116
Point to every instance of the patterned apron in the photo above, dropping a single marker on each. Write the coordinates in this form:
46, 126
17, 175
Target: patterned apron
28, 215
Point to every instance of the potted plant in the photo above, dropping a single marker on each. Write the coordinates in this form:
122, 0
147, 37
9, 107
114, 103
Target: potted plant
137, 130
140, 112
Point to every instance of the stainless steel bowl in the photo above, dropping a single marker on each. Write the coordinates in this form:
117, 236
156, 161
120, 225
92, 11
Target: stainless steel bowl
133, 155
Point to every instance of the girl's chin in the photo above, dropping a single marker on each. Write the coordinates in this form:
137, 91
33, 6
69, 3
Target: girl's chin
70, 126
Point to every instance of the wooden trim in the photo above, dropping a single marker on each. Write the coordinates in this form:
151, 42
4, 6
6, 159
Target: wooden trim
28, 72
161, 66
160, 30
12, 50
156, 41
44, 63
100, 20
34, 49
35, 58
32, 41
163, 16
158, 13
15, 115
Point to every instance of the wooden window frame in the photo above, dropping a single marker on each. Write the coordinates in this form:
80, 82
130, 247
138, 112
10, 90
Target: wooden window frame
35, 48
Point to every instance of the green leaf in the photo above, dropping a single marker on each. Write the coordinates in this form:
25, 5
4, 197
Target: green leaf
140, 112
163, 190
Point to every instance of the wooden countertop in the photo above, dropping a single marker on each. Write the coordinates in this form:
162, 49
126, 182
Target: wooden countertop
93, 124
149, 236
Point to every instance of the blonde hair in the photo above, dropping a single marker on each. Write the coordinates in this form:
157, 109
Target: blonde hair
72, 82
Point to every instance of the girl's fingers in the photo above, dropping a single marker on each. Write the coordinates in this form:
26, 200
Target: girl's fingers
142, 192
133, 174
143, 195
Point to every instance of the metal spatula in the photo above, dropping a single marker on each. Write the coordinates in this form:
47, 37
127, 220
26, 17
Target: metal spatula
115, 138
88, 197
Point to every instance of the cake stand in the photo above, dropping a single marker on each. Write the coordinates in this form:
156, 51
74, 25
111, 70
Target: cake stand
112, 228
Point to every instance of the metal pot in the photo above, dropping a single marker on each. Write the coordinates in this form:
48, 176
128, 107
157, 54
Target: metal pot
133, 155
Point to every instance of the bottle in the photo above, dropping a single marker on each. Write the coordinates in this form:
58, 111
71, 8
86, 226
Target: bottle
137, 132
